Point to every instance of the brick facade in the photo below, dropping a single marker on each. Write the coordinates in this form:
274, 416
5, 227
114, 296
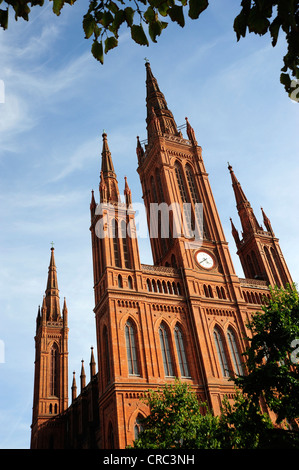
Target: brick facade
180, 317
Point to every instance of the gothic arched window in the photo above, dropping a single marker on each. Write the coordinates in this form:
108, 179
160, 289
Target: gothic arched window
131, 349
196, 200
116, 243
54, 370
221, 352
184, 197
107, 364
179, 341
159, 184
255, 264
166, 354
236, 360
138, 428
123, 229
110, 436
272, 267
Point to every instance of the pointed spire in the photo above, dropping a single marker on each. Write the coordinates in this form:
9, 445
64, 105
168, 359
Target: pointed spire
235, 233
52, 292
109, 191
74, 388
246, 214
107, 164
239, 194
38, 318
44, 310
139, 151
159, 118
128, 194
103, 188
267, 222
190, 132
82, 376
64, 312
92, 203
92, 365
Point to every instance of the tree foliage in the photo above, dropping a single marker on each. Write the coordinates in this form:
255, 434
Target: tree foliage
178, 421
147, 19
272, 362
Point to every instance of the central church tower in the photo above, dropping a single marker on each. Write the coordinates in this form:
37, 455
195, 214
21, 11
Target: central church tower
182, 317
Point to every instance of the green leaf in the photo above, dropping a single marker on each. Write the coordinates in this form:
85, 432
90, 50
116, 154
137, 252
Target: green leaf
113, 7
196, 7
240, 25
4, 18
57, 6
97, 51
119, 18
257, 21
155, 29
138, 35
274, 30
163, 8
149, 15
129, 14
285, 79
107, 19
110, 43
88, 25
176, 14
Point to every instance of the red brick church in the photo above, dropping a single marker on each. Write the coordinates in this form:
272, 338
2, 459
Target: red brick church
184, 316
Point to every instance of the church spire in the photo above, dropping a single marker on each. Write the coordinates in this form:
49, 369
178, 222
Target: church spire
74, 387
92, 365
159, 119
52, 291
246, 214
109, 191
128, 194
82, 376
267, 223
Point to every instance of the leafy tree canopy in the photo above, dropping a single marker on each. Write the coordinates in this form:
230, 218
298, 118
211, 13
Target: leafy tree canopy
177, 420
146, 20
272, 362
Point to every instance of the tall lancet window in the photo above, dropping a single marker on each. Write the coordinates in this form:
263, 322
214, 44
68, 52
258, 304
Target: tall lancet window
196, 199
116, 243
166, 354
123, 229
184, 197
238, 369
180, 347
221, 353
131, 349
54, 370
107, 364
155, 199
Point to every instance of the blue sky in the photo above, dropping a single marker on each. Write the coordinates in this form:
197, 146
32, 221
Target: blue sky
58, 100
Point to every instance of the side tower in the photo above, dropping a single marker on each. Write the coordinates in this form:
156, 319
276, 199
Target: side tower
258, 249
117, 270
50, 396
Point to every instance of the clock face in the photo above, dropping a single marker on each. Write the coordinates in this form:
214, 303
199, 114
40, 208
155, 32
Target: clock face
204, 260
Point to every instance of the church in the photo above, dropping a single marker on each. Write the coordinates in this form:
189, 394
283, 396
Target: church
183, 317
